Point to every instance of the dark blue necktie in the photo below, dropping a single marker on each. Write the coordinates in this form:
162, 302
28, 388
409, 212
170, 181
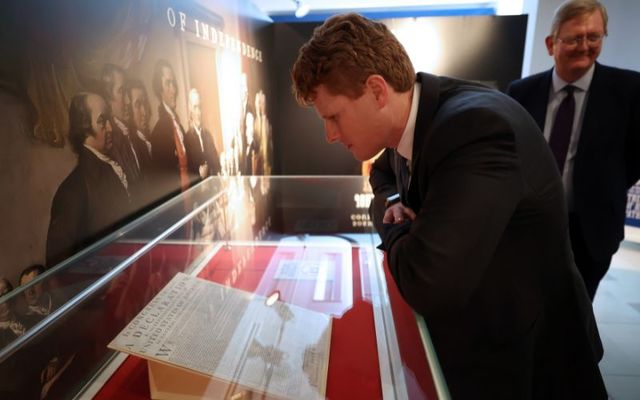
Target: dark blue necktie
562, 126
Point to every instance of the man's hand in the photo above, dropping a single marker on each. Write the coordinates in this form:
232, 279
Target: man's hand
396, 222
397, 214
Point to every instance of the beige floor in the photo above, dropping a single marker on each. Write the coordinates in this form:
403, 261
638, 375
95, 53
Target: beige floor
617, 309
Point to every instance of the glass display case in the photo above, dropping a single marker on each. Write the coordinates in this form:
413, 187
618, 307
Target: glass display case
308, 241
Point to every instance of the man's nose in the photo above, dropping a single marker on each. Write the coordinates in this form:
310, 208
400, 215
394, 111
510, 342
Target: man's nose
583, 44
332, 133
109, 127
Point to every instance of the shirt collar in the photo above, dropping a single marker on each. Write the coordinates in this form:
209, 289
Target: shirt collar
582, 83
98, 154
116, 167
169, 110
405, 146
121, 125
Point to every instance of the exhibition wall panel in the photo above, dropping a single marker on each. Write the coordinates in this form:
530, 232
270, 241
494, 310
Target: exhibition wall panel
110, 108
486, 49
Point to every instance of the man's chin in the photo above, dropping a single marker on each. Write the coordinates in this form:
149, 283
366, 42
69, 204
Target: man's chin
361, 157
581, 64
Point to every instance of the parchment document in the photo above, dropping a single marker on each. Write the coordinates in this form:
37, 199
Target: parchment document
233, 335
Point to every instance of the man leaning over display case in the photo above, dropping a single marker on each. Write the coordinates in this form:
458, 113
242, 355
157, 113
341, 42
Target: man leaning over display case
476, 240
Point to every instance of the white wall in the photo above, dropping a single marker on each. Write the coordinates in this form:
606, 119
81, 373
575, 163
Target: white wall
529, 7
539, 58
621, 48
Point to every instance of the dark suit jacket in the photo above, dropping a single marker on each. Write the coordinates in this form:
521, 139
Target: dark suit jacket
607, 161
88, 204
132, 154
487, 261
140, 195
166, 167
123, 154
198, 156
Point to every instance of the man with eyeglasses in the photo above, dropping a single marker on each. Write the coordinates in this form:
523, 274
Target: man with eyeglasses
590, 115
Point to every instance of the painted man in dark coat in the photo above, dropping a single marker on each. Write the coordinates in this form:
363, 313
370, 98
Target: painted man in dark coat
94, 198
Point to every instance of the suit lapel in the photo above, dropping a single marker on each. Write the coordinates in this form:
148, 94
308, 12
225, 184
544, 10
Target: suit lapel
538, 107
427, 108
596, 102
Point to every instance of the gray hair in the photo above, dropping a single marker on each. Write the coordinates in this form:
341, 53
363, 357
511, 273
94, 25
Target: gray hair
574, 8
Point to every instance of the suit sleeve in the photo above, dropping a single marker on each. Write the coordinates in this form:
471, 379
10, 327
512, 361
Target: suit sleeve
632, 146
474, 186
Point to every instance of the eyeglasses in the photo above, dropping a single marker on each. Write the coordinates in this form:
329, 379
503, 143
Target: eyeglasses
591, 40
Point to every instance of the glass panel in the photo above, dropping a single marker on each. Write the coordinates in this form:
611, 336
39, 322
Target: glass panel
307, 239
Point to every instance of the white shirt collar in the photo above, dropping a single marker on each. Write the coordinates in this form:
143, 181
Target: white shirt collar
169, 110
405, 146
121, 125
98, 154
114, 165
582, 83
141, 135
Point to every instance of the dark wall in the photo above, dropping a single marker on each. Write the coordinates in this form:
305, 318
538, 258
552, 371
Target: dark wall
480, 48
299, 141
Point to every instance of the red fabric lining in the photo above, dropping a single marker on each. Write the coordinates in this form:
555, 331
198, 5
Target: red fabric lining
353, 362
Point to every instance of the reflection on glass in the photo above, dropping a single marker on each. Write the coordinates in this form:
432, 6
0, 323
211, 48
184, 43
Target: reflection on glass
291, 245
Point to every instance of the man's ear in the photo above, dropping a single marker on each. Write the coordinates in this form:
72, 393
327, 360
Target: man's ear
548, 41
379, 88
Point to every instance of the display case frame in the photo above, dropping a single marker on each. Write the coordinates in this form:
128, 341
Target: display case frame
109, 282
